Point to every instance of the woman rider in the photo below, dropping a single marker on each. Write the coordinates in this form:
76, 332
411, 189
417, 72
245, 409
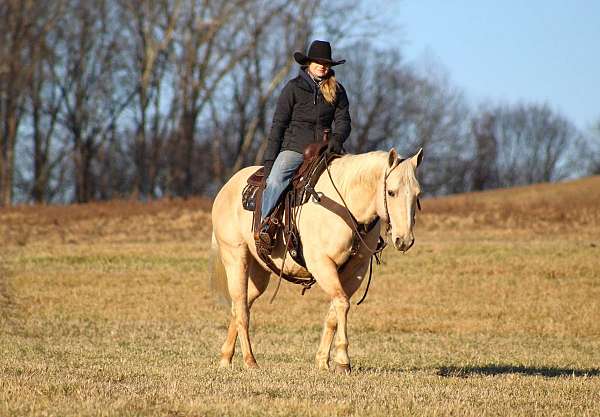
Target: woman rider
307, 105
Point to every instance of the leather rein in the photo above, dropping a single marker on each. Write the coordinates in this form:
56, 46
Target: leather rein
381, 244
355, 223
373, 253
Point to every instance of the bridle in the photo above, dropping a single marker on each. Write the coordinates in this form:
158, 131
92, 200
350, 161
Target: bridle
381, 244
388, 219
354, 222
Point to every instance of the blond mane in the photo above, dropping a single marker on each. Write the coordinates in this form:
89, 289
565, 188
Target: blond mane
365, 170
362, 170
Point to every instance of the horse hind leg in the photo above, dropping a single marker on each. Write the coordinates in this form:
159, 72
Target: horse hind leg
235, 261
256, 286
228, 348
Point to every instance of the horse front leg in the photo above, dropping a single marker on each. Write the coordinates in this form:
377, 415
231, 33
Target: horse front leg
325, 272
340, 355
351, 278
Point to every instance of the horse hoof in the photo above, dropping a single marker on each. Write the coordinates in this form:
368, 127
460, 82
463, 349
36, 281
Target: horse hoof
322, 365
343, 368
224, 363
251, 365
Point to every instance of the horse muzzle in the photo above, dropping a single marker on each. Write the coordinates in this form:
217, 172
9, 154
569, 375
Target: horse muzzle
404, 244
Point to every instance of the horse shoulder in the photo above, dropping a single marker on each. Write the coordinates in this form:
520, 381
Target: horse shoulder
324, 234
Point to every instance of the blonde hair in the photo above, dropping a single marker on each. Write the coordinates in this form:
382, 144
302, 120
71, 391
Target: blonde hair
329, 89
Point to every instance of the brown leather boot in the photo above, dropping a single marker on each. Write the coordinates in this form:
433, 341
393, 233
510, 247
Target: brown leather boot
265, 236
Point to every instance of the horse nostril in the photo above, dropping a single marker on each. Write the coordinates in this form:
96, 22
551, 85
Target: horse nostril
399, 243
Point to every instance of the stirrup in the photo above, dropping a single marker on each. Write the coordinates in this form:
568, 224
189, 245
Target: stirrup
265, 236
262, 249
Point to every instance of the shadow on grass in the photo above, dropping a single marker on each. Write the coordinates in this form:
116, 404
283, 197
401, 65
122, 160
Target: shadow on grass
380, 370
550, 372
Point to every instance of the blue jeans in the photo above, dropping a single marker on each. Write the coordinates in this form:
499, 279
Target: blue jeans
283, 170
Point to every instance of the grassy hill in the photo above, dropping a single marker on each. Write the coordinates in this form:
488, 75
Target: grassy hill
564, 207
105, 310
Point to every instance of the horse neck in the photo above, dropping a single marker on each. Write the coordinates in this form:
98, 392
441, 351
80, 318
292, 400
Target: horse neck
359, 177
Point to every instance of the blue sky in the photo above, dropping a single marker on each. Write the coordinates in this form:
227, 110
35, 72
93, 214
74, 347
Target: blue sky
508, 50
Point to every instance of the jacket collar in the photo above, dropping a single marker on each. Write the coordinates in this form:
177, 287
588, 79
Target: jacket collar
307, 82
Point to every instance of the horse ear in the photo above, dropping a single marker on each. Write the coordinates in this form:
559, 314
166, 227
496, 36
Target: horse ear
417, 158
392, 157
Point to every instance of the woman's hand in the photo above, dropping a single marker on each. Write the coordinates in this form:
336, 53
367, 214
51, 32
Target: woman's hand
334, 147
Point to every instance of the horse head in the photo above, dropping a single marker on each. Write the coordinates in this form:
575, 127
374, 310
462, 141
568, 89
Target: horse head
398, 198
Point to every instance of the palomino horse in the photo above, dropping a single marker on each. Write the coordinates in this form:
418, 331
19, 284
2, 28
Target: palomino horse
373, 185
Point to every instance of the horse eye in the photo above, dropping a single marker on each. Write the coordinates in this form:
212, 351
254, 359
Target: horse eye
391, 193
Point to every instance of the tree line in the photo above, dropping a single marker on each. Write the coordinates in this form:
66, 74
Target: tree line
146, 99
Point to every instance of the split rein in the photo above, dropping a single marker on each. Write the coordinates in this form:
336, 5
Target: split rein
381, 244
373, 253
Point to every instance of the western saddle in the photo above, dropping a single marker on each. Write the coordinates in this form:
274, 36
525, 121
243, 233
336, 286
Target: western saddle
282, 220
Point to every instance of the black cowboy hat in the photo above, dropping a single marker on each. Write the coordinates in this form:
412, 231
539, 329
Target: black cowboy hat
319, 51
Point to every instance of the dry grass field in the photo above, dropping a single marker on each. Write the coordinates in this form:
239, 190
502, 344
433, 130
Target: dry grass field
105, 310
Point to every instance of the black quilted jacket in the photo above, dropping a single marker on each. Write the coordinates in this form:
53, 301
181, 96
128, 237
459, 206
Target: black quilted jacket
301, 115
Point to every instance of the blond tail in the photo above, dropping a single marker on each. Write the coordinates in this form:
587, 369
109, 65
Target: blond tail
218, 277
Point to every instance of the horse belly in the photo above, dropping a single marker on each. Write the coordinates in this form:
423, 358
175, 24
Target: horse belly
290, 267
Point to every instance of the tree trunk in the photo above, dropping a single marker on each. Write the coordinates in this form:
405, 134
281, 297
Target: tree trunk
189, 122
83, 172
8, 156
40, 179
140, 147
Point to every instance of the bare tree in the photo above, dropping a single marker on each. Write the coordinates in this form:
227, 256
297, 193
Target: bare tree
117, 98
262, 73
593, 150
90, 81
202, 59
381, 91
43, 107
24, 24
485, 172
150, 27
212, 41
394, 105
534, 144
